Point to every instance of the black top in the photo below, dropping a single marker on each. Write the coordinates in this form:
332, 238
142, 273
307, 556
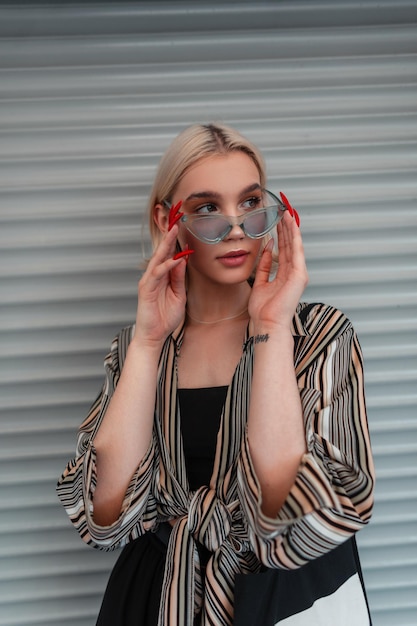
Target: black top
200, 411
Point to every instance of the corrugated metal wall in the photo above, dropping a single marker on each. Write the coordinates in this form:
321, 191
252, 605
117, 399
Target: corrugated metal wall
91, 94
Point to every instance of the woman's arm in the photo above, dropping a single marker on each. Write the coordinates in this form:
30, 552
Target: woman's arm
306, 473
76, 487
331, 497
125, 433
275, 425
97, 487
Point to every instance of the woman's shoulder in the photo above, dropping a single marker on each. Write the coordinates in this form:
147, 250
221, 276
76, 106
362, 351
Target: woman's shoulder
316, 317
319, 330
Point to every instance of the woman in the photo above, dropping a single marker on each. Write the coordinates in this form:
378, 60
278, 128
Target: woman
228, 450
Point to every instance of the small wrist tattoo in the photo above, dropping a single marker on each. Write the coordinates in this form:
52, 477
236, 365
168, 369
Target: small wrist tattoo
261, 338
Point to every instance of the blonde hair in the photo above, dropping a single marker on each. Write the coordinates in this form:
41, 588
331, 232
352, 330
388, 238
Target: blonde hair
192, 144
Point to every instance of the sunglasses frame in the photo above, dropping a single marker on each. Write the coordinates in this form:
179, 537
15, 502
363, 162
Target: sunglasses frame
187, 220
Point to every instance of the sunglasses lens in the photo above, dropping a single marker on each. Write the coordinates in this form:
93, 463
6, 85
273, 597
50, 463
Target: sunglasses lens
255, 224
210, 228
261, 221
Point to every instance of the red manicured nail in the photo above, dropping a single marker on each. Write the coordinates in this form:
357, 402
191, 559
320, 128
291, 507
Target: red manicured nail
183, 253
287, 203
175, 220
297, 218
174, 214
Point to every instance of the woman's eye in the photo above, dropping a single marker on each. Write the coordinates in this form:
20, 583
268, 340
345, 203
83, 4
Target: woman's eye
207, 208
252, 203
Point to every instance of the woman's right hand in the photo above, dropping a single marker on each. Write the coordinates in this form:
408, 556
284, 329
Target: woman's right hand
161, 293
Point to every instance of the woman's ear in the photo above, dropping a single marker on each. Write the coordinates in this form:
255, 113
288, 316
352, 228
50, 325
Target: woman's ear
160, 217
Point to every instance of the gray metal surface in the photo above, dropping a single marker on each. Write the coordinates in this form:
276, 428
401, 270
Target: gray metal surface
90, 96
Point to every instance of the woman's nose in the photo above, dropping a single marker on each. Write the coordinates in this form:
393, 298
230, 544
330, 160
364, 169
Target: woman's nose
236, 232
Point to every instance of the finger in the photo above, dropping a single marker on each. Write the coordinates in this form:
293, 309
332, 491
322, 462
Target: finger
165, 248
286, 228
295, 248
162, 270
284, 245
299, 256
177, 278
292, 228
295, 241
264, 266
286, 259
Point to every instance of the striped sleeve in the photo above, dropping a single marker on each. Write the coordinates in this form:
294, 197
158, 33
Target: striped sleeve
77, 484
332, 496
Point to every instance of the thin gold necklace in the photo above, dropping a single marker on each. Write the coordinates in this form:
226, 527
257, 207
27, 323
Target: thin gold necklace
223, 319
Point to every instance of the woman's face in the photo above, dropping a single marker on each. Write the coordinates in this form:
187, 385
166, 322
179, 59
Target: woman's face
220, 184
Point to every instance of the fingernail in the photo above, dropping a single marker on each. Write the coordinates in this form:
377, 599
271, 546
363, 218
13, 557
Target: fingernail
269, 246
174, 210
174, 220
287, 203
297, 218
183, 253
174, 214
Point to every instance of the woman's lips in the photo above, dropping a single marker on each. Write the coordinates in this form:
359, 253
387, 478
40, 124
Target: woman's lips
234, 258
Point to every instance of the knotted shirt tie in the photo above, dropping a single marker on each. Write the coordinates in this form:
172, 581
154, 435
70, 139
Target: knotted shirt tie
218, 526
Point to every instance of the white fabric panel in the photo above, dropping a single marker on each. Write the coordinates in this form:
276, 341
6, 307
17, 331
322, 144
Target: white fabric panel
90, 96
341, 608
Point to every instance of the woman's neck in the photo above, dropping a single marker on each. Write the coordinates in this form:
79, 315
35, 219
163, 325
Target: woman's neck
222, 303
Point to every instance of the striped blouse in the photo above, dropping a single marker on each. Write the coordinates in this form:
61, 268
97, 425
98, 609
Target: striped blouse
330, 500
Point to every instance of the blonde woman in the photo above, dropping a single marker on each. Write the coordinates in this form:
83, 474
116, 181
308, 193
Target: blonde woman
228, 452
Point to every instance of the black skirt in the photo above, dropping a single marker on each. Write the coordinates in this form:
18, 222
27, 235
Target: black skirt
133, 593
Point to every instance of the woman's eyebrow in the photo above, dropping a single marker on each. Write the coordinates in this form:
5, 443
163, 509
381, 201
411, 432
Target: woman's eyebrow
253, 187
203, 194
217, 196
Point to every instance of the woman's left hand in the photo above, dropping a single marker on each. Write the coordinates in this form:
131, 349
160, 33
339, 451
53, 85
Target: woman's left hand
273, 302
